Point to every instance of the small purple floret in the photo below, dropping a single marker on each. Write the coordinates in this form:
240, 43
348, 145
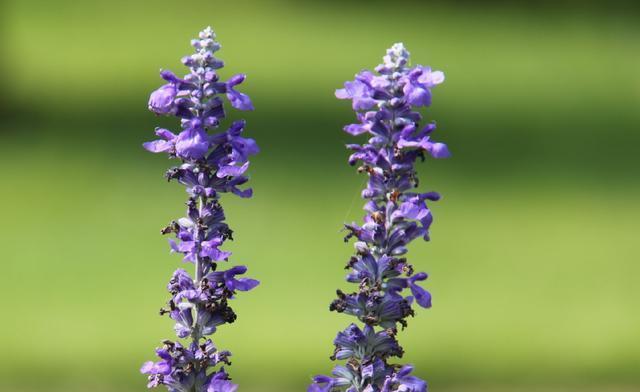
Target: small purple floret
162, 101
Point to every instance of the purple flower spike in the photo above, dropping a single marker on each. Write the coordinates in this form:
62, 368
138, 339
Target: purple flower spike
211, 163
396, 214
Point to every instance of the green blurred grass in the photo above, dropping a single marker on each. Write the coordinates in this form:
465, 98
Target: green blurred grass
527, 87
533, 261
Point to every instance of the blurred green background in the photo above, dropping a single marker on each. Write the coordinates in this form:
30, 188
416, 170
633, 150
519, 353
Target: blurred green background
534, 252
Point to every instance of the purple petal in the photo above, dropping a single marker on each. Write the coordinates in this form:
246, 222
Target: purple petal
433, 196
192, 144
367, 371
431, 79
235, 80
214, 253
242, 193
423, 297
174, 246
405, 370
237, 270
185, 246
161, 101
147, 367
342, 94
417, 95
411, 211
170, 77
217, 385
165, 134
322, 379
239, 100
163, 367
439, 150
232, 170
186, 294
158, 146
363, 103
245, 284
355, 129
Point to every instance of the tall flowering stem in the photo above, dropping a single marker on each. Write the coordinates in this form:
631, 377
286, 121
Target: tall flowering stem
211, 162
396, 214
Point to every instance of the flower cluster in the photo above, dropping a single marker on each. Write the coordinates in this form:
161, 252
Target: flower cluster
211, 163
395, 215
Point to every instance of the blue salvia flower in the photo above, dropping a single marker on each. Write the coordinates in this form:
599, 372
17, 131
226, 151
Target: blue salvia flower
212, 162
396, 215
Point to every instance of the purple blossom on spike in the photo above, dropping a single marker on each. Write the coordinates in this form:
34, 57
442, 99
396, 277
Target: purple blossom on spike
212, 162
396, 214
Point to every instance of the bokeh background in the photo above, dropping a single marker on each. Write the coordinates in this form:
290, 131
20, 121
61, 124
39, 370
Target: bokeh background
534, 258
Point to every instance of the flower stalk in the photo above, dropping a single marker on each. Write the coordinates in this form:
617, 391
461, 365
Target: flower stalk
211, 163
396, 214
